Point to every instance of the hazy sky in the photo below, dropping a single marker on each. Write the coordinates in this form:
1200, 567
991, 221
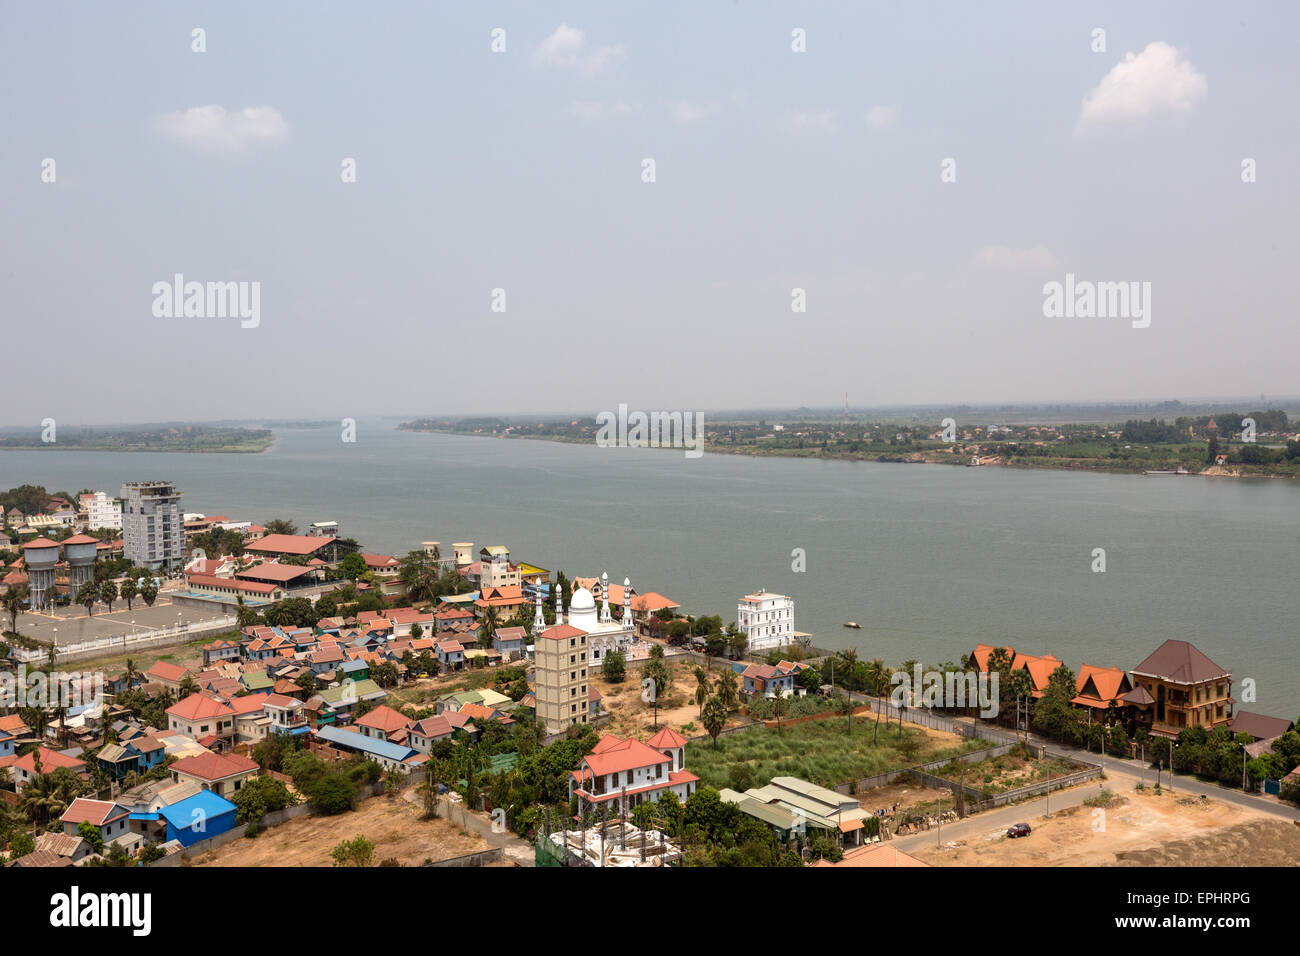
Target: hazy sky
523, 171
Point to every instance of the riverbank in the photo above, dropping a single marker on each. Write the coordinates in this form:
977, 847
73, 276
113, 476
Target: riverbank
941, 456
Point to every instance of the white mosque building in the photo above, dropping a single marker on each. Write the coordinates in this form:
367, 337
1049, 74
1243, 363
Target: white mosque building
604, 634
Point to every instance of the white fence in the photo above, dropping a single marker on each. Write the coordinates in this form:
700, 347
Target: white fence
142, 637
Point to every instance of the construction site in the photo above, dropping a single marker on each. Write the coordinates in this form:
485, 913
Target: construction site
612, 843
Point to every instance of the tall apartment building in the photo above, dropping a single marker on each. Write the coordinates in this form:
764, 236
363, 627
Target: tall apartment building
102, 511
153, 526
767, 619
495, 569
560, 680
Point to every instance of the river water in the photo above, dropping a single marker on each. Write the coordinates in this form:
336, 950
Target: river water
930, 559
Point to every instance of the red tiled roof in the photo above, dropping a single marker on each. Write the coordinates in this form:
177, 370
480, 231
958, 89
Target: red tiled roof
384, 719
97, 812
289, 544
666, 739
211, 766
1181, 663
166, 670
50, 760
199, 707
560, 632
614, 755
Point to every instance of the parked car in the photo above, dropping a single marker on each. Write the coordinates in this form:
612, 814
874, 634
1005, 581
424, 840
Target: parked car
1018, 830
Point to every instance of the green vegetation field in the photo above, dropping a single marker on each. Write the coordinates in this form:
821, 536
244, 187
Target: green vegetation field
820, 751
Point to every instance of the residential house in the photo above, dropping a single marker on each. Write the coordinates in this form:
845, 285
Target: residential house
223, 774
109, 819
170, 675
1186, 688
511, 642
200, 717
624, 773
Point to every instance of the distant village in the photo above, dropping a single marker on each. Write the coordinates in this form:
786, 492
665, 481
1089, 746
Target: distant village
595, 723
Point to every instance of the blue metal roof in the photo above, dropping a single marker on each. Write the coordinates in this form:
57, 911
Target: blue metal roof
181, 813
356, 741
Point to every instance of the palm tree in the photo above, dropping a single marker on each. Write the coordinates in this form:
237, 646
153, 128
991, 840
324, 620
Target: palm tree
850, 656
728, 696
108, 594
188, 686
13, 604
130, 673
244, 615
149, 592
87, 595
128, 591
702, 687
43, 799
489, 627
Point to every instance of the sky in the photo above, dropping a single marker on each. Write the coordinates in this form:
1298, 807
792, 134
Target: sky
921, 171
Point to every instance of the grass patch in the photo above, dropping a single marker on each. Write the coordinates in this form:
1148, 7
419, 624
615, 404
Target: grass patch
820, 751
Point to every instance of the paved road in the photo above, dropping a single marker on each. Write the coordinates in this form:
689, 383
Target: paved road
1129, 772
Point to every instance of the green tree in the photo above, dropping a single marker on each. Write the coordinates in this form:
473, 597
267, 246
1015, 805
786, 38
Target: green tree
352, 566
129, 590
90, 833
614, 667
87, 595
355, 852
149, 592
728, 692
281, 526
714, 718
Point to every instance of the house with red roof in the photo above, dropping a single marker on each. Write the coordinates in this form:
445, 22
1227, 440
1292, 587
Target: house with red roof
624, 773
383, 723
222, 774
24, 767
1099, 688
170, 675
199, 716
110, 819
1184, 688
292, 545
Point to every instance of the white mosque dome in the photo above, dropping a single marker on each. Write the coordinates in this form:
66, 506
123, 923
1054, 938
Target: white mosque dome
582, 601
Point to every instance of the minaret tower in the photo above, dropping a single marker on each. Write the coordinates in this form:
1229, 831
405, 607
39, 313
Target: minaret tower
627, 604
559, 604
539, 620
605, 617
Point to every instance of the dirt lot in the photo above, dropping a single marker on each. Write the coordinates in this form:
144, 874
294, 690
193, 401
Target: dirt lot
395, 826
1140, 829
630, 716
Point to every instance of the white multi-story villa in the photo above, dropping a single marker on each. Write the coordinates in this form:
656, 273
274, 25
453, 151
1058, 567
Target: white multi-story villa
102, 511
767, 619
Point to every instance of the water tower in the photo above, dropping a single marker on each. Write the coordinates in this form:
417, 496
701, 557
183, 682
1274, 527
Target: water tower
39, 556
464, 551
79, 551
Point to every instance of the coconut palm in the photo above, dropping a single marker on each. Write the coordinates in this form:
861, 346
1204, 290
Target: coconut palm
702, 687
149, 593
129, 590
43, 799
108, 594
728, 695
87, 595
14, 599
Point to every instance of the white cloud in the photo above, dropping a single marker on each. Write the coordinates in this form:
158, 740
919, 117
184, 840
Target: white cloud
1157, 80
601, 111
567, 49
214, 128
815, 123
882, 117
686, 112
1002, 257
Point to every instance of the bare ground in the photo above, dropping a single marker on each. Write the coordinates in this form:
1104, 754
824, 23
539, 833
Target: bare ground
395, 826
